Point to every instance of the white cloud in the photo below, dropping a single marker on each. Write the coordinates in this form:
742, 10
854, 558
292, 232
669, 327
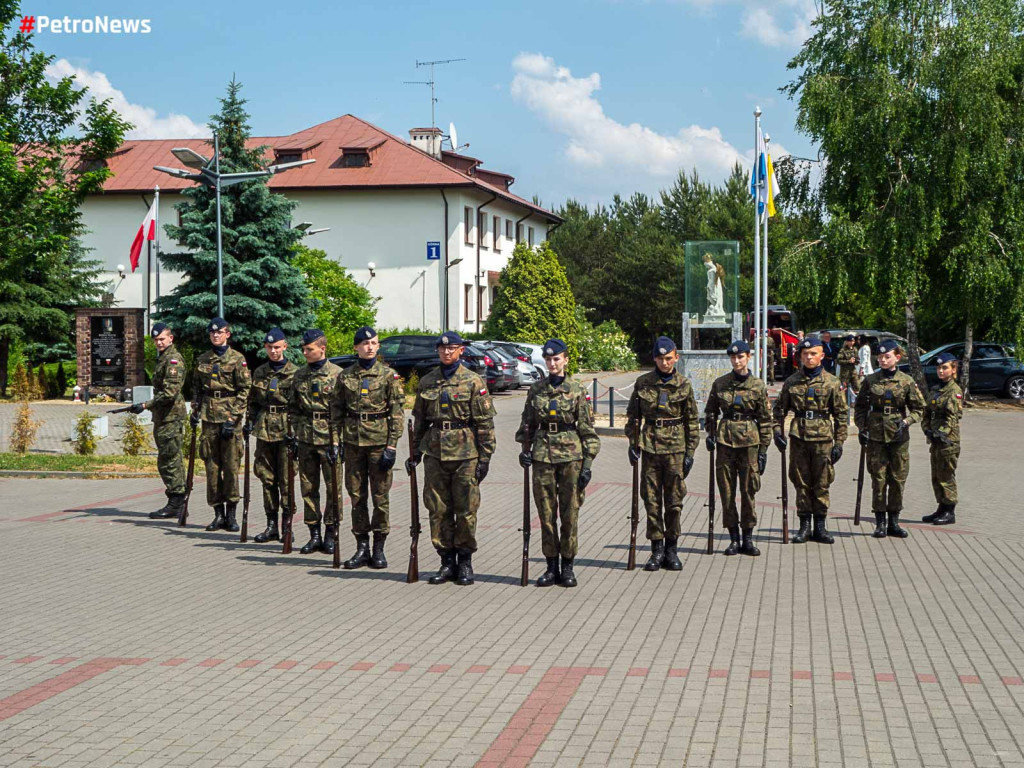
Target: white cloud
148, 125
786, 25
598, 142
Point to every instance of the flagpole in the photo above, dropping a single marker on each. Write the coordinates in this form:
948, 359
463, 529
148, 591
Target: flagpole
764, 261
156, 246
145, 291
757, 247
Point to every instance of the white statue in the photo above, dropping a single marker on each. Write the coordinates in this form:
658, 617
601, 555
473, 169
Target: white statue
716, 285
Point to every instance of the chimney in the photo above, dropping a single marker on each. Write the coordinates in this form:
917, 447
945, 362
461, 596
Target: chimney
427, 140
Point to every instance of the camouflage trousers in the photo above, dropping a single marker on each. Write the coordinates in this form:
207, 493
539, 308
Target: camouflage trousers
169, 437
313, 464
558, 500
270, 465
888, 464
662, 488
362, 470
451, 495
848, 377
223, 458
771, 365
811, 473
944, 460
736, 472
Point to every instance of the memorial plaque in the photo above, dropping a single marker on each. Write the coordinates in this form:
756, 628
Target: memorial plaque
107, 352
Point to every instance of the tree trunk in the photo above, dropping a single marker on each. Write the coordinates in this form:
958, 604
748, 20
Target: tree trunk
5, 351
965, 364
913, 353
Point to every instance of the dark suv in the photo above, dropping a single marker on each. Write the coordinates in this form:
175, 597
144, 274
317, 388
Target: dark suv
994, 368
409, 354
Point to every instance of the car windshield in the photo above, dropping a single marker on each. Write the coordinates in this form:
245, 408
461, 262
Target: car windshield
956, 350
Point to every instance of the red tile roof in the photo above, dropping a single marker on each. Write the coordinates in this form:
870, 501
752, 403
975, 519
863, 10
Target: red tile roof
393, 163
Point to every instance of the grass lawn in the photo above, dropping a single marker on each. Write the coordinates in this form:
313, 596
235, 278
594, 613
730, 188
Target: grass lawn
69, 462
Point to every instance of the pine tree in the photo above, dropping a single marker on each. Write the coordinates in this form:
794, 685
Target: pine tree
262, 289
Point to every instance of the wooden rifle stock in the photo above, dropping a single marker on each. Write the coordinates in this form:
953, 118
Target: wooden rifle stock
634, 513
245, 496
288, 511
524, 575
336, 562
785, 501
413, 574
711, 503
183, 515
860, 485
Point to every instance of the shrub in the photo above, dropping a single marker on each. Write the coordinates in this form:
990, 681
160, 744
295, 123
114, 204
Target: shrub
84, 440
412, 384
20, 386
605, 347
23, 434
135, 437
340, 304
42, 383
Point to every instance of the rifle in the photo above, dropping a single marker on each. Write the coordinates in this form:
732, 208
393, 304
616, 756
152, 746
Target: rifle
860, 485
287, 513
711, 504
120, 410
634, 513
413, 574
245, 496
785, 501
334, 494
524, 575
183, 515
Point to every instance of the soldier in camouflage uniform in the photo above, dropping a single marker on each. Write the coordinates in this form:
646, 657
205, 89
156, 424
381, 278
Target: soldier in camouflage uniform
664, 400
371, 396
312, 405
943, 410
887, 404
267, 416
818, 431
220, 391
848, 360
739, 424
168, 410
454, 430
769, 346
558, 421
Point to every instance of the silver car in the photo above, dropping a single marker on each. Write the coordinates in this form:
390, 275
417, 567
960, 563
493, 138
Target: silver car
527, 373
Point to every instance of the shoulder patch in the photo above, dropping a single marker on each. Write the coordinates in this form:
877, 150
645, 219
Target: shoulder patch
483, 391
396, 376
959, 396
588, 397
173, 361
245, 364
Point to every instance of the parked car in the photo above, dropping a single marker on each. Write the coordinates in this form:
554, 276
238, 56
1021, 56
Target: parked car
873, 337
409, 354
994, 368
536, 356
527, 372
504, 362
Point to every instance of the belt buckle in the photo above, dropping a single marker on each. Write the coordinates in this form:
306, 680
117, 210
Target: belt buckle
446, 425
216, 394
809, 415
363, 417
552, 427
888, 409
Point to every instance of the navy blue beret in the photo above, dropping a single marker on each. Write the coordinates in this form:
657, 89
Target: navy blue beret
308, 337
663, 346
273, 335
217, 324
447, 338
157, 329
810, 342
889, 345
364, 333
554, 347
738, 347
945, 357
850, 337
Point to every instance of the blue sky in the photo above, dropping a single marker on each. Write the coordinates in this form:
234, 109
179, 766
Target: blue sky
574, 98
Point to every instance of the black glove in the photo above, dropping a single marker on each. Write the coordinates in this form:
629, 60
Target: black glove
247, 429
862, 437
901, 435
482, 468
227, 429
687, 465
293, 446
762, 461
137, 408
942, 438
929, 435
780, 441
410, 464
584, 481
525, 459
332, 454
710, 442
194, 418
387, 459
634, 455
836, 454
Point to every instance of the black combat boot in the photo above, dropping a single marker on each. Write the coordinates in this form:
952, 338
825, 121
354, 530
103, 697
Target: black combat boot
329, 532
821, 534
804, 533
447, 570
894, 526
948, 516
232, 521
362, 556
315, 543
747, 545
734, 540
657, 555
671, 561
551, 575
175, 501
879, 532
933, 516
164, 512
465, 568
568, 577
219, 521
271, 533
377, 560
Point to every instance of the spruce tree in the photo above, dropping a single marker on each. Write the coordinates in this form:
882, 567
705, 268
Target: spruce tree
262, 289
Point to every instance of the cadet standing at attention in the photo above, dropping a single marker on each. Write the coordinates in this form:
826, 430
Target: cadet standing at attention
454, 430
168, 409
268, 418
818, 431
370, 396
943, 409
312, 401
848, 359
220, 391
558, 422
887, 404
739, 424
664, 400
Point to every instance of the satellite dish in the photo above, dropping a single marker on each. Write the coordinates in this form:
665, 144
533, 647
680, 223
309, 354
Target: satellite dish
453, 137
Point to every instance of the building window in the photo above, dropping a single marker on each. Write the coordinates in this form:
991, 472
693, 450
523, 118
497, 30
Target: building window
467, 301
496, 231
494, 294
530, 237
508, 230
288, 157
519, 233
467, 223
482, 224
355, 159
481, 295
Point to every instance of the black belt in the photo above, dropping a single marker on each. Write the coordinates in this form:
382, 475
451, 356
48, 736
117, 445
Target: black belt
811, 415
364, 417
446, 425
217, 394
319, 415
675, 422
277, 409
889, 409
741, 416
555, 427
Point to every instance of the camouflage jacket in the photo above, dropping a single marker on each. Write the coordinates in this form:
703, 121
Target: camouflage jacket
372, 405
268, 401
454, 417
943, 409
168, 378
739, 410
560, 422
818, 405
312, 397
847, 357
883, 402
654, 401
221, 384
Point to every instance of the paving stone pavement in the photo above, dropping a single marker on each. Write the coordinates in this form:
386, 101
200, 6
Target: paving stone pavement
130, 642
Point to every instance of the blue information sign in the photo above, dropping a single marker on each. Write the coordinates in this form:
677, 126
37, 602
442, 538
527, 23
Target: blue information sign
433, 250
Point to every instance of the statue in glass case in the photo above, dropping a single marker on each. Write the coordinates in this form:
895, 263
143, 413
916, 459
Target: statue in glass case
716, 287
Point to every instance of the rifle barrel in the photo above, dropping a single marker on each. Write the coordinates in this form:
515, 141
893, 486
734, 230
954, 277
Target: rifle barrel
413, 574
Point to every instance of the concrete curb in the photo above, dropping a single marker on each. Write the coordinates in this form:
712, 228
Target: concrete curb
43, 473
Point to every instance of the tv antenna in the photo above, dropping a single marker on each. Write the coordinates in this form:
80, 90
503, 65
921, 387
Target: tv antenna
453, 137
431, 82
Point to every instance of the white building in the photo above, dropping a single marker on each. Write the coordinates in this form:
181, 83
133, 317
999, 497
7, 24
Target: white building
383, 199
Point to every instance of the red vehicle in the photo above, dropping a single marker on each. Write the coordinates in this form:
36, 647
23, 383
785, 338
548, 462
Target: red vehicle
782, 328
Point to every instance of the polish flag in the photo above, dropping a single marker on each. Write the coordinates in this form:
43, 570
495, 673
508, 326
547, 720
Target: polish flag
146, 232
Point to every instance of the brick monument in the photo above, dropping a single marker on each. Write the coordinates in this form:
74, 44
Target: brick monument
110, 348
